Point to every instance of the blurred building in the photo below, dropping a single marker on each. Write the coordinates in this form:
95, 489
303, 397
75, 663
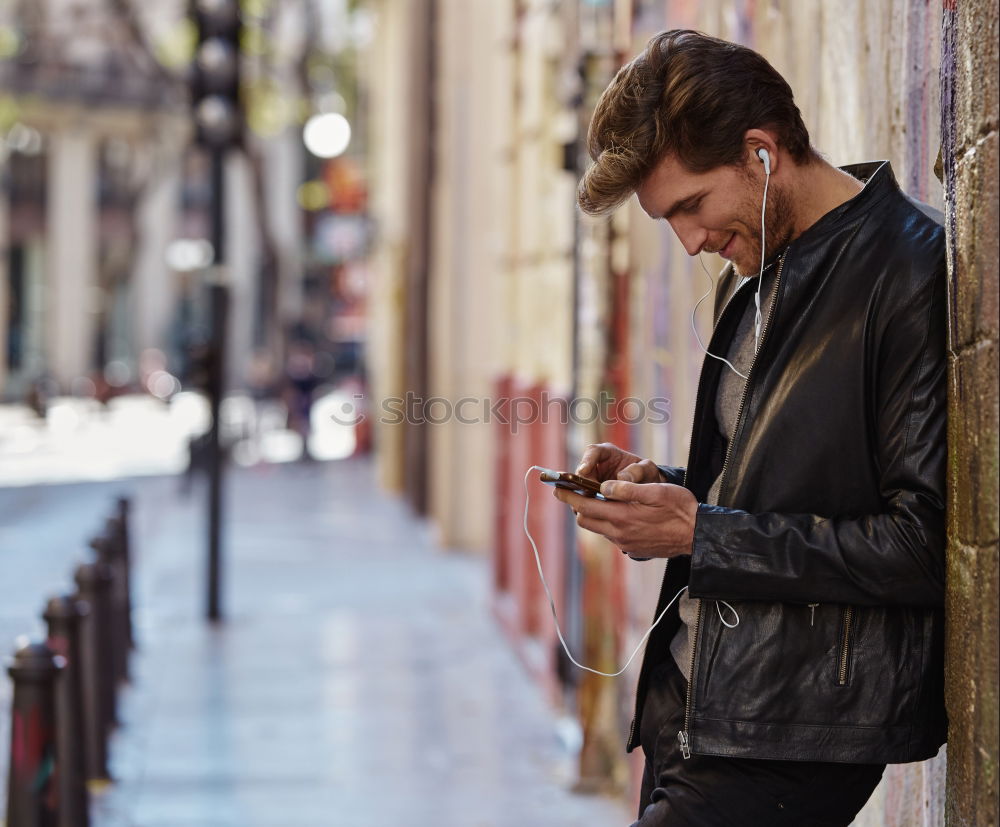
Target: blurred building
105, 210
490, 286
88, 119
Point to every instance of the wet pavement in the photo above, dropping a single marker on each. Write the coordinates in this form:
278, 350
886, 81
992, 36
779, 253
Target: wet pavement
358, 678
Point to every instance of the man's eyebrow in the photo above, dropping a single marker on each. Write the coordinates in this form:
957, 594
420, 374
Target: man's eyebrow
682, 203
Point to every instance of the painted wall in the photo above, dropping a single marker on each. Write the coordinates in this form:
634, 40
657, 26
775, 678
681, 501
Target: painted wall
866, 75
399, 128
866, 78
468, 265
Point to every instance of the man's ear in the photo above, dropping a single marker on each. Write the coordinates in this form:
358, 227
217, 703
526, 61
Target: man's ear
757, 139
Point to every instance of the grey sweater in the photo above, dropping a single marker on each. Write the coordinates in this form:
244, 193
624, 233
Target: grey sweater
727, 405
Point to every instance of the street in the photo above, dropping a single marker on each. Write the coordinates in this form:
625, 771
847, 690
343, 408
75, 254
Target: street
358, 679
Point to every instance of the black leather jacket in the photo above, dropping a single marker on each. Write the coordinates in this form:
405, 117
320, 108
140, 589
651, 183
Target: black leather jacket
829, 537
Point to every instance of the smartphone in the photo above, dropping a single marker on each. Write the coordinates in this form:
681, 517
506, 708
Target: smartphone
572, 482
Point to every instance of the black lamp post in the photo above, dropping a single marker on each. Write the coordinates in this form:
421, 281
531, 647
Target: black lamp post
215, 101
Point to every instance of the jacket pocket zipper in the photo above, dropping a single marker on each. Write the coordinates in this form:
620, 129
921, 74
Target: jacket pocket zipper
845, 647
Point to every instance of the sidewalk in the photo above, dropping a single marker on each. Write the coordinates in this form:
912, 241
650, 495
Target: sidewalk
358, 679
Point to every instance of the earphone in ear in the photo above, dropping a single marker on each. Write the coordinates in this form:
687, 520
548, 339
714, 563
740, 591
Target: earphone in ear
765, 157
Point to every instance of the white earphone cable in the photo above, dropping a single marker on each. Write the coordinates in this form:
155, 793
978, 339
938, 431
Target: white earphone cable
527, 496
760, 280
552, 603
701, 261
763, 247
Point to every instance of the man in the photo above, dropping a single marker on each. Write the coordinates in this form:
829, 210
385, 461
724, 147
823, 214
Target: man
808, 528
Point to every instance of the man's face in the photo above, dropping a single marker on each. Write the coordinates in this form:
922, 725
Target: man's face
718, 211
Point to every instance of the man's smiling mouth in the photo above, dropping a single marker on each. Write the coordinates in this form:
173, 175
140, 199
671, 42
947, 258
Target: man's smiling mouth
722, 250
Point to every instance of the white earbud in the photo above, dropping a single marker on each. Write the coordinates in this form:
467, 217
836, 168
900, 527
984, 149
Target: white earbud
766, 158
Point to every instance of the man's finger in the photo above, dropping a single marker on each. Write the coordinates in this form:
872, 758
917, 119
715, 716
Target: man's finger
572, 499
606, 529
648, 493
644, 471
620, 490
587, 463
594, 456
590, 460
562, 494
630, 473
587, 506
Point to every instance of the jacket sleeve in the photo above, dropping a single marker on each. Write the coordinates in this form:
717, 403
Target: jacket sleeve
672, 474
895, 557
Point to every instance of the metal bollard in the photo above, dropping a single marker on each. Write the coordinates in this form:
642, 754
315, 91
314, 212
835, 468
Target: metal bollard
32, 796
108, 550
94, 583
123, 508
63, 616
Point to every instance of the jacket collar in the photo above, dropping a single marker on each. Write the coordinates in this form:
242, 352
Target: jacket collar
879, 181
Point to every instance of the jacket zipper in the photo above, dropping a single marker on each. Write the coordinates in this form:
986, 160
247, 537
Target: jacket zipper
683, 737
845, 647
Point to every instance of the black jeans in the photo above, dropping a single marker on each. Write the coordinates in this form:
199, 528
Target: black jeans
710, 791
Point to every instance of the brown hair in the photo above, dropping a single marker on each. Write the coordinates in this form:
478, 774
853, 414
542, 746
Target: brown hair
688, 94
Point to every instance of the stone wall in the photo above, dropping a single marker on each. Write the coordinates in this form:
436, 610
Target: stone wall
969, 130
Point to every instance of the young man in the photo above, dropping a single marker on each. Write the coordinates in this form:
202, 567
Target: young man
808, 526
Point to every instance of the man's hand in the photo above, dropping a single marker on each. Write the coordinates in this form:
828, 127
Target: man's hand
642, 519
609, 462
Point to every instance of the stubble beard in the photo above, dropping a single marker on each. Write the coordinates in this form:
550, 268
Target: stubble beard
778, 222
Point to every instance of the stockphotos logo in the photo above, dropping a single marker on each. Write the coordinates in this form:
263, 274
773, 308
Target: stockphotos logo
513, 411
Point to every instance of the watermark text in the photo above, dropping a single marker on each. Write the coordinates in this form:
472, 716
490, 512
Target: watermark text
512, 411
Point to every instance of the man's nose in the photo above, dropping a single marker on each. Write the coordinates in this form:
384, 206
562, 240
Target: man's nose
690, 235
